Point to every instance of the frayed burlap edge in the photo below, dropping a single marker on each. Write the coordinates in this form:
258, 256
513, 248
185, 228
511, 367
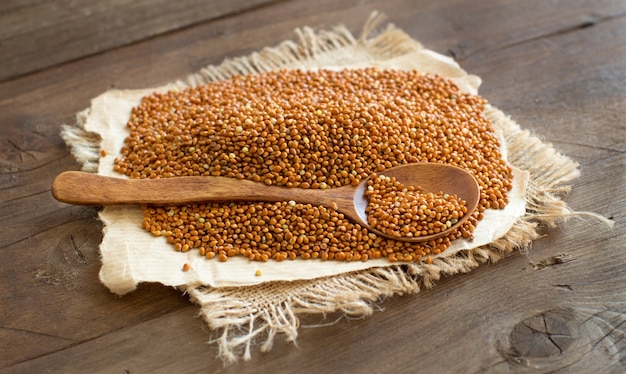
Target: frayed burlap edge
84, 145
252, 316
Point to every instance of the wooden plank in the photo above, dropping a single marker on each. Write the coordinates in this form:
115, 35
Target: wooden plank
555, 18
14, 5
42, 34
121, 351
560, 80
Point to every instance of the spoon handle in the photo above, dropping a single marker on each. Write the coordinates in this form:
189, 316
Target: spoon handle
83, 188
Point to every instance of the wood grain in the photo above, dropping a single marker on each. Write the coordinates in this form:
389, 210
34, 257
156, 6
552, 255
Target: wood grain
556, 67
40, 34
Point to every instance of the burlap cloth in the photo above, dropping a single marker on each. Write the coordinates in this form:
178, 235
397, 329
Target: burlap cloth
247, 309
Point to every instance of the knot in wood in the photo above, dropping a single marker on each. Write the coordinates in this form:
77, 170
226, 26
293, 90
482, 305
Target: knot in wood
546, 334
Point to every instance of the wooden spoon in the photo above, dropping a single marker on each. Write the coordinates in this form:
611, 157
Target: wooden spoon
83, 188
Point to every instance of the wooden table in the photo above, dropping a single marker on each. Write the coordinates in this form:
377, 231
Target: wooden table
558, 68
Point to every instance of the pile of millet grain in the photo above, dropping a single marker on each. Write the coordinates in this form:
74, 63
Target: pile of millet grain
306, 129
405, 211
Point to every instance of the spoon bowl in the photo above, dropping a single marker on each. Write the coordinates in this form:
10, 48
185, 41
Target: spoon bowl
83, 188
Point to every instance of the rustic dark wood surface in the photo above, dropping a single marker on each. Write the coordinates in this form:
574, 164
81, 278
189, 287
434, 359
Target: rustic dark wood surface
558, 68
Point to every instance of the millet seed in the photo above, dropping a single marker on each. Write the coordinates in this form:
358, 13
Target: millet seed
403, 211
306, 129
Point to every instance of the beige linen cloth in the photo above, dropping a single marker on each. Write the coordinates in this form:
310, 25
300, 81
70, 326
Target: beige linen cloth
247, 302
